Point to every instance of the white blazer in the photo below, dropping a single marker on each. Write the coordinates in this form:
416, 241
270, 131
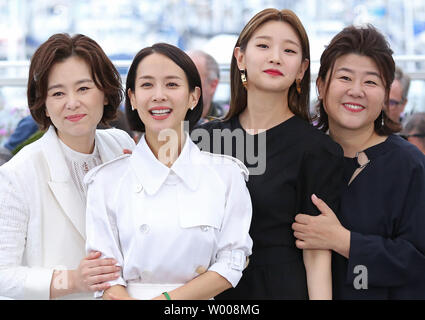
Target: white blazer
42, 218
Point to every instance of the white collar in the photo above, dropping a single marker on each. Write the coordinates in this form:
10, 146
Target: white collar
152, 174
76, 156
107, 145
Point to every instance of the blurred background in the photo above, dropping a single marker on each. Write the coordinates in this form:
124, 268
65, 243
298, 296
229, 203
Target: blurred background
124, 27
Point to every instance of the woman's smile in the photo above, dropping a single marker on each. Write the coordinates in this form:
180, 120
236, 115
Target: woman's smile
75, 117
160, 113
353, 107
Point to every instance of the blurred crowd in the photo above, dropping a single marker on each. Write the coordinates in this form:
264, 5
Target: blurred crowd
413, 125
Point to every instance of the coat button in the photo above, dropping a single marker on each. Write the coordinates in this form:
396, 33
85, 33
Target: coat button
201, 270
144, 228
138, 188
204, 228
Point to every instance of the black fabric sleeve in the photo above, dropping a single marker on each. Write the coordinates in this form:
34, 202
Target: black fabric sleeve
206, 143
321, 173
398, 260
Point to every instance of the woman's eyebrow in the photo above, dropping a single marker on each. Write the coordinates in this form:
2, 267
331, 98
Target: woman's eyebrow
166, 77
269, 38
345, 69
59, 85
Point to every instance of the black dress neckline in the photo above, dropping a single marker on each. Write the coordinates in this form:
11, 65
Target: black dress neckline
376, 150
237, 124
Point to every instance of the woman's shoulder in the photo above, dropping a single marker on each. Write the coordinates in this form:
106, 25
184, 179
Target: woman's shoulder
209, 135
314, 140
25, 168
405, 152
27, 155
114, 135
217, 124
110, 171
224, 165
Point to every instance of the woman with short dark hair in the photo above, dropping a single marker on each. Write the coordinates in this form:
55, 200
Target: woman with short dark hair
176, 219
59, 48
184, 62
72, 87
378, 238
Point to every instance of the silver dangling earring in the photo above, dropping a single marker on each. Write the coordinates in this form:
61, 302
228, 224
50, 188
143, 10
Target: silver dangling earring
382, 119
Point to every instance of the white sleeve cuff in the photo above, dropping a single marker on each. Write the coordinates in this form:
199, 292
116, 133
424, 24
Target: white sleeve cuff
230, 264
37, 284
119, 281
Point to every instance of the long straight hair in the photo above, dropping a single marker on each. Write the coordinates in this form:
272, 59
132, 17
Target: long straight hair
298, 103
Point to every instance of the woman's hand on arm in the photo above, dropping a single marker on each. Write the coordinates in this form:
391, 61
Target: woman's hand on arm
317, 235
321, 232
91, 275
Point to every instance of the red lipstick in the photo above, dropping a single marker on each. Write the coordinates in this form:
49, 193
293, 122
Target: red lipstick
75, 117
353, 107
273, 72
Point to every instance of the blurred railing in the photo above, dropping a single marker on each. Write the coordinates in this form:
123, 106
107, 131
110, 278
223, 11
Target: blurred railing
9, 69
13, 82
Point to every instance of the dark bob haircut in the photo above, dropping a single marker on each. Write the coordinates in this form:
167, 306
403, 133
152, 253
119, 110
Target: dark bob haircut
180, 58
58, 48
365, 41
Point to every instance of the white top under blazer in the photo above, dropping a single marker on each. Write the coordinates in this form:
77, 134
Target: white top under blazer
42, 215
168, 225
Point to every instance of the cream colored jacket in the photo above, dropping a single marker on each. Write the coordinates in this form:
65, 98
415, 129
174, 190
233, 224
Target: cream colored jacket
42, 219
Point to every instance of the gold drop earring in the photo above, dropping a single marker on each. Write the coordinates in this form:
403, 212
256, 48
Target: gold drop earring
298, 83
243, 78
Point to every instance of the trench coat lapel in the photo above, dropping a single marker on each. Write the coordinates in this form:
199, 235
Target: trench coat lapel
61, 183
